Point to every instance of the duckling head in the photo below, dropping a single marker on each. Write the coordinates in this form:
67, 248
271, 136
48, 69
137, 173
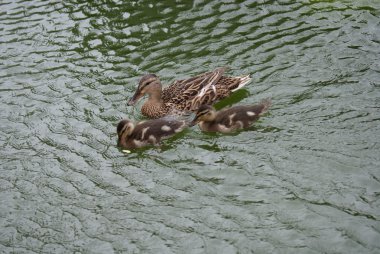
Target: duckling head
124, 128
205, 113
148, 84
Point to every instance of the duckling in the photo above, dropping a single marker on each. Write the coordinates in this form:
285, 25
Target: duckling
187, 94
230, 119
148, 132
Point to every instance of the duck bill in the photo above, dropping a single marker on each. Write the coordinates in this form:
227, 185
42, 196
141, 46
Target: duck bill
135, 98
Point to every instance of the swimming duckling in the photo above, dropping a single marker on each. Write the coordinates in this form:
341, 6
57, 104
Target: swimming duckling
187, 94
149, 132
230, 119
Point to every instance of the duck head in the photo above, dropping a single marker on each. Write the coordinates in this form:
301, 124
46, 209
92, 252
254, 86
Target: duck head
148, 84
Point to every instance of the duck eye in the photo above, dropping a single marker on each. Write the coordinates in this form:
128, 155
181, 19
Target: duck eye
202, 113
145, 84
147, 80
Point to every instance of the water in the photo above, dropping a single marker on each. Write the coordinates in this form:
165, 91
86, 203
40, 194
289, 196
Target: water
304, 179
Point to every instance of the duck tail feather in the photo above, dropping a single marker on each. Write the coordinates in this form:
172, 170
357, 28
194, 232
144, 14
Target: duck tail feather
243, 81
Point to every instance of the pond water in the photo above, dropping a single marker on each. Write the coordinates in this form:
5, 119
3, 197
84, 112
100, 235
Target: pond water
304, 179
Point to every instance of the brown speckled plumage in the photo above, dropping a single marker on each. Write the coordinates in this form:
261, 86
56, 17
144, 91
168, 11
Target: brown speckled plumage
187, 94
230, 119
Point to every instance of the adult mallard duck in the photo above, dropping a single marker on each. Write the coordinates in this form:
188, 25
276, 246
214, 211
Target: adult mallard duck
229, 119
149, 132
187, 94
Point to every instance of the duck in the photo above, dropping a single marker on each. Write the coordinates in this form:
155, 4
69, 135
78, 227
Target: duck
150, 132
185, 95
230, 119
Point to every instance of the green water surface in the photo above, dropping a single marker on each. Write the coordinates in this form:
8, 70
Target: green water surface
304, 179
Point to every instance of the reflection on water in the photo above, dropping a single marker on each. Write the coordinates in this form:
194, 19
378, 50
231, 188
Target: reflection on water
304, 179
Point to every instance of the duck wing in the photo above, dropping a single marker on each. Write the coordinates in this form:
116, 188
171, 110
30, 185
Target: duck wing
179, 85
152, 131
188, 94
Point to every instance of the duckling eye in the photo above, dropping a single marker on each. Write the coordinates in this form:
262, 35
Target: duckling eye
202, 113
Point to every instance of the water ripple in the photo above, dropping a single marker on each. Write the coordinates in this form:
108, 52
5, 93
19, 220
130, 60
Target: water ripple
303, 179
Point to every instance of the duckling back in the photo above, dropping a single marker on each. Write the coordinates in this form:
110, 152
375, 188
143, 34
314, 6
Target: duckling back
149, 132
233, 118
158, 129
242, 116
